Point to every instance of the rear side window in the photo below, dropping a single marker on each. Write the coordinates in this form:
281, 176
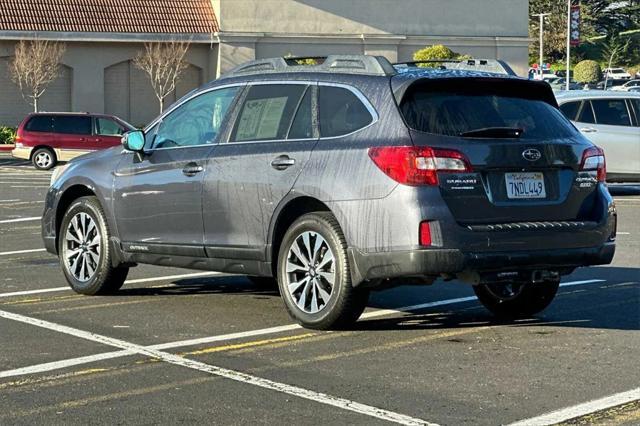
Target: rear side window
635, 103
72, 125
267, 112
456, 112
570, 109
586, 114
341, 112
40, 123
612, 112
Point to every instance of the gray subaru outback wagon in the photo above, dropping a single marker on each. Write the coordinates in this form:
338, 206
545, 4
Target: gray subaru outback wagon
342, 177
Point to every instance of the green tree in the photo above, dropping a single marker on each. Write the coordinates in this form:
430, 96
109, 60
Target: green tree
587, 72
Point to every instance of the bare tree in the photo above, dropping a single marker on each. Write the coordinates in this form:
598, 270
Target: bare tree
35, 65
164, 64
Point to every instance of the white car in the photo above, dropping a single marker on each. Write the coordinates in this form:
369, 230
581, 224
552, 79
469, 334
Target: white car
611, 120
616, 73
627, 86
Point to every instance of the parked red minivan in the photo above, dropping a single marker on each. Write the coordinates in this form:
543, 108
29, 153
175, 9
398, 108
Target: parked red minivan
46, 138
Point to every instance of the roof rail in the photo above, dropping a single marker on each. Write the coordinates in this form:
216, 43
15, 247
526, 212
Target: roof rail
496, 66
346, 64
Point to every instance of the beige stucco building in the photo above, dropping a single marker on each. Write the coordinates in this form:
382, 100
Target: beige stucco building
103, 36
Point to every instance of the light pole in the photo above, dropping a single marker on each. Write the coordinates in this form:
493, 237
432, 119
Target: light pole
568, 43
541, 17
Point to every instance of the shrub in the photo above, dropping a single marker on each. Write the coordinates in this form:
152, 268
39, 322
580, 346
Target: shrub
7, 134
437, 51
587, 72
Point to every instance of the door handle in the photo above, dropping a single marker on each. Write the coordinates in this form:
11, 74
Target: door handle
192, 169
282, 162
588, 130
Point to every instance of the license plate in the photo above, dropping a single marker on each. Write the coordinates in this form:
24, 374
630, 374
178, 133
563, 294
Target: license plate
525, 185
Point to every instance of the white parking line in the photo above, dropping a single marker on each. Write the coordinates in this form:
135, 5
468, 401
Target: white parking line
8, 201
237, 376
136, 281
22, 219
7, 253
49, 366
580, 410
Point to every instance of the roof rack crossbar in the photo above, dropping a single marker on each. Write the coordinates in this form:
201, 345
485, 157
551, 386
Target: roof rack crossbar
349, 64
486, 65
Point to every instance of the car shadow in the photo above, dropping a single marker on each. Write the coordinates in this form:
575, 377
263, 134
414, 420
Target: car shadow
613, 304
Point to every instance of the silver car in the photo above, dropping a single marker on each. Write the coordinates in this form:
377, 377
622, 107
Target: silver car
611, 120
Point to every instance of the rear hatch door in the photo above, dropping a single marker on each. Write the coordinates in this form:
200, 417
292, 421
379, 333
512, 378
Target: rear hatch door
525, 156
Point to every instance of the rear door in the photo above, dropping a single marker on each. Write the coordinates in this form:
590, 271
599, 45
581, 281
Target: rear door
524, 154
268, 145
613, 128
72, 135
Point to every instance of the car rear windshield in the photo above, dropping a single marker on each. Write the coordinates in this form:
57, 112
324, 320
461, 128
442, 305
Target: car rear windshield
482, 112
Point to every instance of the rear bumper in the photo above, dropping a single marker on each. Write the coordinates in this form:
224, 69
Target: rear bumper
22, 153
435, 262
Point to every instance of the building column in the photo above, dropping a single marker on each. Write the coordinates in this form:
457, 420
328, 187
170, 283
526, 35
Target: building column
234, 51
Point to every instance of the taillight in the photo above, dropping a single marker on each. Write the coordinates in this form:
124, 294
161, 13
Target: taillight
593, 160
425, 234
416, 165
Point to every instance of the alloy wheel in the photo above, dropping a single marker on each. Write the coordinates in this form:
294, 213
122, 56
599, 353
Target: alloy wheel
43, 159
310, 272
82, 247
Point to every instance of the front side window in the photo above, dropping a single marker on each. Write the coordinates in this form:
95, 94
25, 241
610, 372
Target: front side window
302, 126
107, 127
612, 112
341, 112
198, 121
268, 112
72, 125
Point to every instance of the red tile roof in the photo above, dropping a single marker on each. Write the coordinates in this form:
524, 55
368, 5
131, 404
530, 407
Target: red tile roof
114, 16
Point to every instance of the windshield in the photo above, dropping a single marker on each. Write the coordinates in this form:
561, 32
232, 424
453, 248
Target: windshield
456, 113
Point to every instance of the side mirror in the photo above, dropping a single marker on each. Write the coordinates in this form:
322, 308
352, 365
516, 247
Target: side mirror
133, 141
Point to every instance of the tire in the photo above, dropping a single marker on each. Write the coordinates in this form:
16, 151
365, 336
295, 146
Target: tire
44, 159
264, 283
528, 299
91, 245
336, 306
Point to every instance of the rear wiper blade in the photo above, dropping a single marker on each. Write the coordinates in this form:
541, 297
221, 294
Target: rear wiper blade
493, 132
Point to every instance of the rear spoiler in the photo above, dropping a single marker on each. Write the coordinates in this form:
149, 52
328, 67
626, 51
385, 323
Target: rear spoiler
495, 66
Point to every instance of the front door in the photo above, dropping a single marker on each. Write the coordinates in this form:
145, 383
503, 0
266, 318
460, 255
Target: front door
158, 196
269, 144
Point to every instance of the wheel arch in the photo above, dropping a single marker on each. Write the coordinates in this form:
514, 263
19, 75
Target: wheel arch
284, 217
69, 196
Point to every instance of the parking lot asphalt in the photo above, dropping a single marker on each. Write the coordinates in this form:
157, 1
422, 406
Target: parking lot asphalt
176, 345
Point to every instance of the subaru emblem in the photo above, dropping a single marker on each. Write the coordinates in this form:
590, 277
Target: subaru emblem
531, 154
